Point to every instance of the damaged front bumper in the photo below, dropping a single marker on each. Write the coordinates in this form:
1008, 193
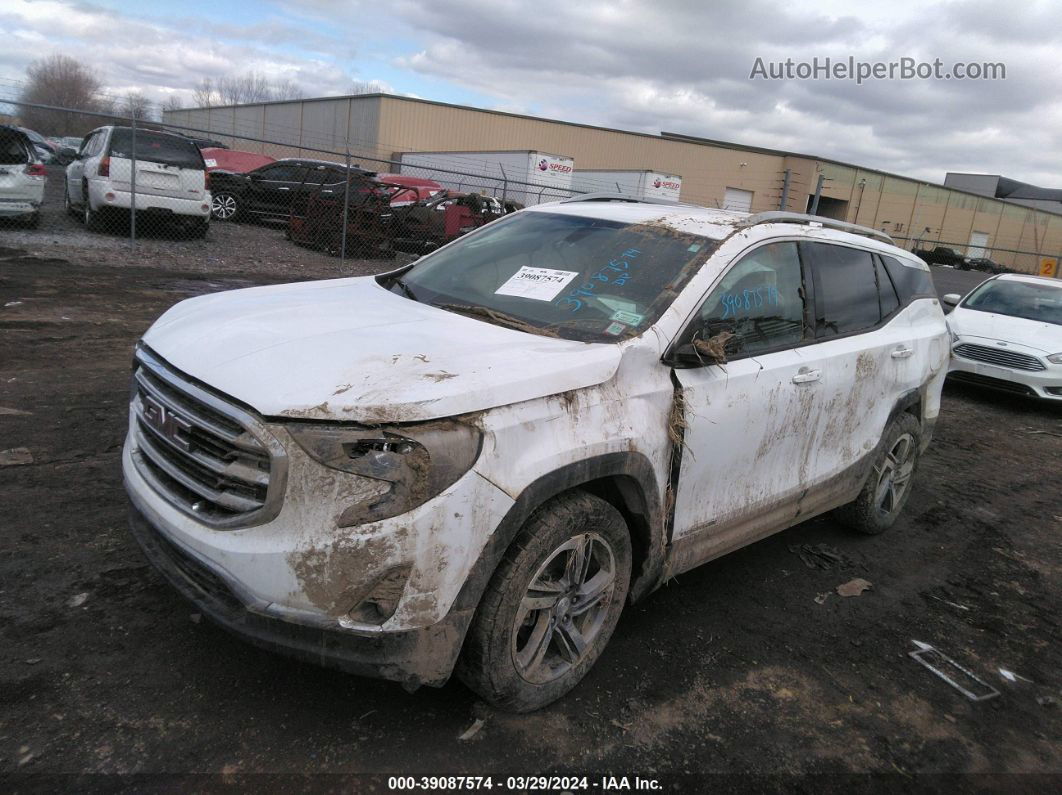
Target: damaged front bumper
423, 656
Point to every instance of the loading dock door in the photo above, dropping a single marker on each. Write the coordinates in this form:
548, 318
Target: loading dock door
978, 245
737, 199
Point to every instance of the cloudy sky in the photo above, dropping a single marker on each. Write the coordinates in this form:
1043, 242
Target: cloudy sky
646, 65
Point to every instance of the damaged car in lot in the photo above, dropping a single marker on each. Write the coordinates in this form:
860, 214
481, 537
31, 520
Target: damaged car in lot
22, 177
473, 463
1007, 335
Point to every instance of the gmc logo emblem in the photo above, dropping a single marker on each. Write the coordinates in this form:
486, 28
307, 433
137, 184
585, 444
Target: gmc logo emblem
171, 426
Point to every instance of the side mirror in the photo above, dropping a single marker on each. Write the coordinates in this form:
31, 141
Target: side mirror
951, 299
68, 151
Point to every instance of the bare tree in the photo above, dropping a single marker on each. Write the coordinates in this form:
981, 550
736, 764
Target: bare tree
367, 87
136, 105
285, 88
173, 102
62, 82
204, 95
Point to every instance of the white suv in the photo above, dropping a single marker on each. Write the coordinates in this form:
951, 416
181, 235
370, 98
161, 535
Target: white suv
170, 179
478, 460
22, 177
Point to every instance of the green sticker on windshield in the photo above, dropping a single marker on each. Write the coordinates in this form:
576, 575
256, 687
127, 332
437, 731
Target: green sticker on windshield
630, 318
615, 329
694, 248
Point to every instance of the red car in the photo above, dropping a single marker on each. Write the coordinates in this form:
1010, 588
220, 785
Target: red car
234, 160
418, 188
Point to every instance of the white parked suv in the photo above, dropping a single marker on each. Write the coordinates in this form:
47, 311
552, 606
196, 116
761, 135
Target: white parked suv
1007, 334
22, 177
170, 179
479, 459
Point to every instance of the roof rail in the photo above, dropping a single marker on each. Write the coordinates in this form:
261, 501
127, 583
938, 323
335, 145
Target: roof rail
614, 197
780, 217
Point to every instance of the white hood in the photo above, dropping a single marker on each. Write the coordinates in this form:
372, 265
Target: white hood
1034, 334
349, 350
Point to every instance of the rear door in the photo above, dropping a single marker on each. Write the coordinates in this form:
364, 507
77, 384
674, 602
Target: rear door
867, 349
76, 171
166, 165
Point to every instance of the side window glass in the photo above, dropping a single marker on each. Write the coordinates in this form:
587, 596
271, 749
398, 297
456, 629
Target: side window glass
887, 297
845, 287
910, 282
760, 302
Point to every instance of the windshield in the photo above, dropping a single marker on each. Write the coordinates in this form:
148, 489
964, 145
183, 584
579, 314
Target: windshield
1030, 300
563, 275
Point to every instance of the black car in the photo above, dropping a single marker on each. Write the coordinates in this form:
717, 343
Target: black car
983, 264
268, 192
941, 255
207, 143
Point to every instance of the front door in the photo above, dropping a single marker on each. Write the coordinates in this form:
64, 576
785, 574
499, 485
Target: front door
751, 425
273, 188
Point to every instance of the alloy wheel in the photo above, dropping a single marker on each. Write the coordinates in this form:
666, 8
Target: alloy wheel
894, 475
223, 206
564, 608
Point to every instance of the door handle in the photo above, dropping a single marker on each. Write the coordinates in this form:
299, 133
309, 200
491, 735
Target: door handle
806, 375
902, 353
283, 188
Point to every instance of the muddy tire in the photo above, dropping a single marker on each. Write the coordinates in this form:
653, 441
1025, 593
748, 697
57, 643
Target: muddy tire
551, 606
885, 493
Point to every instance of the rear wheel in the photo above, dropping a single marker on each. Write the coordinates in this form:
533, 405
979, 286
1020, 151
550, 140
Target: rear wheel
70, 210
91, 217
551, 606
223, 206
885, 494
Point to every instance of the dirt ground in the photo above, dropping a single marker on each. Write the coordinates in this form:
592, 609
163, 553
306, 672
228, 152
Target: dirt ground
750, 665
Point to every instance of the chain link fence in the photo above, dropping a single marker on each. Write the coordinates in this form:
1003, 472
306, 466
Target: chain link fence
134, 182
984, 258
130, 181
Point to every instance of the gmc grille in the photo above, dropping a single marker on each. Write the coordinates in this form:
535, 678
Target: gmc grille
197, 451
1001, 357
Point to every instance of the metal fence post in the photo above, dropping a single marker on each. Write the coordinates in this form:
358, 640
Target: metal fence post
346, 210
783, 203
818, 192
132, 186
505, 183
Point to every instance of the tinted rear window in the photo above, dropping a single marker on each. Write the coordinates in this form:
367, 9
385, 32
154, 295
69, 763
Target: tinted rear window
910, 282
157, 148
846, 289
13, 149
890, 302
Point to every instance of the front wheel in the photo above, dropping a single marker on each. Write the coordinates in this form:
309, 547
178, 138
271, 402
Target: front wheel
885, 494
551, 606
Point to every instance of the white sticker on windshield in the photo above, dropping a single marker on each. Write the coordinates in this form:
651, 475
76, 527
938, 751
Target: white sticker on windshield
210, 163
539, 284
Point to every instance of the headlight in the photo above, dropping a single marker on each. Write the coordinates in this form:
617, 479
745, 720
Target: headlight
418, 461
1055, 357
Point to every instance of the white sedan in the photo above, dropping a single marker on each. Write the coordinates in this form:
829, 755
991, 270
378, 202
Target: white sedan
1007, 334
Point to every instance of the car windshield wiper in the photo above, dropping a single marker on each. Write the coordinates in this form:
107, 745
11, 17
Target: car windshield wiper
405, 288
498, 318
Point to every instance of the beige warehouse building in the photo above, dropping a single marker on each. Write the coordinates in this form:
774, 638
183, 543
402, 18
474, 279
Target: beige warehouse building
378, 128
